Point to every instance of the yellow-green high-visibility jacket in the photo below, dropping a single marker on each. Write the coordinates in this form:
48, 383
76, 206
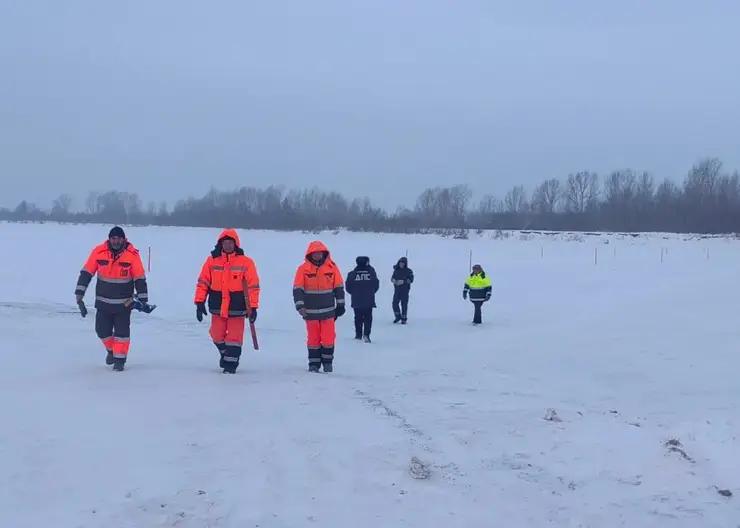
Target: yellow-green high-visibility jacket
478, 286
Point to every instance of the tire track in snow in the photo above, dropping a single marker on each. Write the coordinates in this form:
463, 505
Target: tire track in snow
403, 423
448, 470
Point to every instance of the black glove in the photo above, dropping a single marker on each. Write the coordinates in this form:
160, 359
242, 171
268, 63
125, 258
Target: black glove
200, 311
82, 307
142, 306
252, 315
339, 311
465, 294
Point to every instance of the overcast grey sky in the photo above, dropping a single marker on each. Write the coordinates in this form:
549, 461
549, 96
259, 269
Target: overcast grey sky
375, 97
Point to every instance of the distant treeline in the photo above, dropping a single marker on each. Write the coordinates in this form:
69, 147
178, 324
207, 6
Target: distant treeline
708, 201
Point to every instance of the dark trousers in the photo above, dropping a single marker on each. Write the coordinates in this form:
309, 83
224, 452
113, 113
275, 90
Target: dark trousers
114, 330
363, 321
400, 304
477, 305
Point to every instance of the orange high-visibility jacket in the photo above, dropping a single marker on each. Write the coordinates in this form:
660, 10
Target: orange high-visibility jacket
119, 273
228, 281
318, 289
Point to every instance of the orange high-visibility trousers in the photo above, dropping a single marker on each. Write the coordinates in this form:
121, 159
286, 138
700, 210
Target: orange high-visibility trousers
228, 336
118, 346
321, 336
227, 331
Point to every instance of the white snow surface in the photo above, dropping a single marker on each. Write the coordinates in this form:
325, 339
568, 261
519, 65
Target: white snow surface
434, 424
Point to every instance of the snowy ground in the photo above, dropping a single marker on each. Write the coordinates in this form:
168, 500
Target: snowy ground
630, 352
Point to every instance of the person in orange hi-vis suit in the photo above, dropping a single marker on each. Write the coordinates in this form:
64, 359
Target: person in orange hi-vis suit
120, 270
230, 284
318, 294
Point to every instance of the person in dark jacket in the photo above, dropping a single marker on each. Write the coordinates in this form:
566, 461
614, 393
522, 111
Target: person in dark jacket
362, 284
402, 279
478, 289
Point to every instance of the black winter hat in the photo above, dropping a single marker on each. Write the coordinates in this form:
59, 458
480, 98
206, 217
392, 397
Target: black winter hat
117, 231
362, 261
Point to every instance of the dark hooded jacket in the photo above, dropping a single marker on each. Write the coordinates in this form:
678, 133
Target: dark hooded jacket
362, 284
402, 277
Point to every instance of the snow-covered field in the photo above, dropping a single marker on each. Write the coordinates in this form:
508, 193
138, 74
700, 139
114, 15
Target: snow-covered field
632, 352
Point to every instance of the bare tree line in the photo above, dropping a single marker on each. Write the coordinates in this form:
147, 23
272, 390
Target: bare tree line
708, 201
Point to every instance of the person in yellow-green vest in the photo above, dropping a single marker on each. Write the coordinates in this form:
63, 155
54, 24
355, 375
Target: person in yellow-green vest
478, 290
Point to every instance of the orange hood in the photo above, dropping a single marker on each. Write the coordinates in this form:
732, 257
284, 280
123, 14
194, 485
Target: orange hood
231, 233
317, 246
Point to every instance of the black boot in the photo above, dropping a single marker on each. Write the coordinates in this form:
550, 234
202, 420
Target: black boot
366, 339
397, 319
221, 347
327, 358
109, 358
314, 359
230, 359
118, 364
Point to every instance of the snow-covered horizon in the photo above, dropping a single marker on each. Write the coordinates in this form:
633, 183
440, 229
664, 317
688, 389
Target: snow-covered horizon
601, 390
528, 235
